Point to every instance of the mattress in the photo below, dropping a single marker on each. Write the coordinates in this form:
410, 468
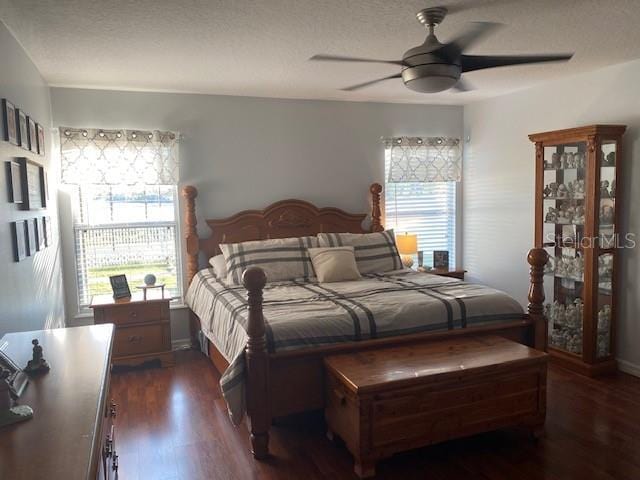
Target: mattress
301, 315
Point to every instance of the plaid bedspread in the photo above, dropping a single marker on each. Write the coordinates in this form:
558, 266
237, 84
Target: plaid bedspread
305, 315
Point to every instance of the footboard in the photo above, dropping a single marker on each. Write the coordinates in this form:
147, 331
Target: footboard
259, 390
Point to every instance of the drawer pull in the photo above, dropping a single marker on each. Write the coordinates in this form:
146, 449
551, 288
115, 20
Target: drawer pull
114, 463
134, 338
134, 314
112, 410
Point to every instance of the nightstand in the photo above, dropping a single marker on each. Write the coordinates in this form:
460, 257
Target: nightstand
445, 272
143, 329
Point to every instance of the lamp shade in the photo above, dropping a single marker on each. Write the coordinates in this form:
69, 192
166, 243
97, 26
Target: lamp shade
407, 243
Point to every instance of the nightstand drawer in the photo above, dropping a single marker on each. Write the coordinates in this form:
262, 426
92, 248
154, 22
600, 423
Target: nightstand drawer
133, 313
141, 339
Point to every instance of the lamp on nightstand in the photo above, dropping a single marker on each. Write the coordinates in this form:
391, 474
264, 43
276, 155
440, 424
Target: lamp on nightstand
407, 244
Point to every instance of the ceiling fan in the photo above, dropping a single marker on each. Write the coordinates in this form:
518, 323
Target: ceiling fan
434, 66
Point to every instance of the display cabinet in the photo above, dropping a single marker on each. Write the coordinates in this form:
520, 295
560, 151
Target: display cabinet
577, 211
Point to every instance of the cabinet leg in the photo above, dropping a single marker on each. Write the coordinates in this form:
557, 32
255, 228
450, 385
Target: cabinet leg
364, 469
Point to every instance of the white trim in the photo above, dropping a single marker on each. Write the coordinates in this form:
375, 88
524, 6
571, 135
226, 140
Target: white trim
181, 344
628, 367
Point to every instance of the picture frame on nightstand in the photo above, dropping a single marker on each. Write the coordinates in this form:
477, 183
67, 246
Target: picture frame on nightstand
440, 259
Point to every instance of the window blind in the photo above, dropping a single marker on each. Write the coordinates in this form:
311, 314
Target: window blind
427, 209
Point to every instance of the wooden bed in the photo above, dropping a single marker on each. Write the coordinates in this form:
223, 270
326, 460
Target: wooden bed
284, 383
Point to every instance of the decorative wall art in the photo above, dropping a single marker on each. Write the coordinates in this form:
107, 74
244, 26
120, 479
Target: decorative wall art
14, 182
10, 130
41, 147
40, 235
33, 184
48, 233
31, 237
33, 135
23, 131
18, 234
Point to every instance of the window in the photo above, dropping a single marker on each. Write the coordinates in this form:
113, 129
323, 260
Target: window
424, 207
123, 191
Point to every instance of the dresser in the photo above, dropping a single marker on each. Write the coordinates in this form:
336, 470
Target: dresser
143, 328
71, 435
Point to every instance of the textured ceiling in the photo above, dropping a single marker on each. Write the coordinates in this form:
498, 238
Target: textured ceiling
261, 47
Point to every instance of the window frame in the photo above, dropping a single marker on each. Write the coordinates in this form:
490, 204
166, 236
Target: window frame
455, 254
83, 309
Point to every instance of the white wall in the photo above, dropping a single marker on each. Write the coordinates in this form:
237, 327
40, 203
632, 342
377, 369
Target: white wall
31, 291
499, 180
243, 152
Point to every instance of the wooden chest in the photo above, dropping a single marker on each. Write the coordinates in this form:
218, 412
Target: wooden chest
384, 401
143, 328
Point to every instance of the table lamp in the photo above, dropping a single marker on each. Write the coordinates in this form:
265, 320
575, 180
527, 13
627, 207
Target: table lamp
407, 244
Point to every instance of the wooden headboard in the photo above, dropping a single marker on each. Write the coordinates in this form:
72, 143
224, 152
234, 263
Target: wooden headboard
287, 218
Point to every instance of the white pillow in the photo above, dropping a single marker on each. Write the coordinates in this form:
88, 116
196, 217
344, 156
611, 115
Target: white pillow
219, 266
280, 258
375, 252
334, 264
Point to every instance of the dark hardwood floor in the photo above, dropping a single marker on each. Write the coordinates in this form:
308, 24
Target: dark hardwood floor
172, 424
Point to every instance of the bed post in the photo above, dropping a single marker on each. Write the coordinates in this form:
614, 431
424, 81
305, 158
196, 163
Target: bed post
376, 224
191, 236
193, 246
537, 258
257, 364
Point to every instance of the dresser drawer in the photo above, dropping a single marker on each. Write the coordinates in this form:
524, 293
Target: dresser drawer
133, 313
142, 339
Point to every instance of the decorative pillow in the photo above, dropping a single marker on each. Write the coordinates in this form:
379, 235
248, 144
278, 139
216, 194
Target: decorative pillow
334, 264
375, 252
281, 258
219, 266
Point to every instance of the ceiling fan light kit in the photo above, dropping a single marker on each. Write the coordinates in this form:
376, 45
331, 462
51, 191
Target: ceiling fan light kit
434, 67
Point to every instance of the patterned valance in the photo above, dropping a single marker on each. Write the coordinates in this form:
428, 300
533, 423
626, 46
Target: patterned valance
118, 157
423, 159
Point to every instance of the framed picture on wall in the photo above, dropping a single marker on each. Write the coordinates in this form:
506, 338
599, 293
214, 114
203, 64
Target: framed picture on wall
39, 226
10, 130
23, 130
33, 135
18, 236
33, 183
14, 182
41, 147
31, 238
48, 233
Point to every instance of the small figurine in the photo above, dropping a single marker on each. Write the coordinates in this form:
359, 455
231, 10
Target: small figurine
578, 217
610, 159
37, 363
563, 192
606, 215
546, 192
555, 160
613, 188
570, 161
604, 189
552, 215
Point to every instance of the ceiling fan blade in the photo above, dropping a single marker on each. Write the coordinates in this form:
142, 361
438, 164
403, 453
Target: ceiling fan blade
473, 33
479, 62
463, 86
366, 84
339, 58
